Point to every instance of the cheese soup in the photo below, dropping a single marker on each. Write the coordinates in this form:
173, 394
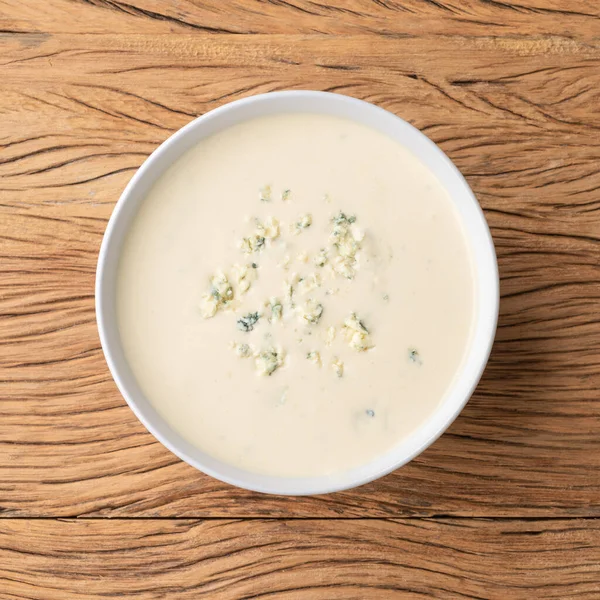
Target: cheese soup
296, 295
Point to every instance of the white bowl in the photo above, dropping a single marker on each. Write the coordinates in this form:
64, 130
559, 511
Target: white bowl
479, 239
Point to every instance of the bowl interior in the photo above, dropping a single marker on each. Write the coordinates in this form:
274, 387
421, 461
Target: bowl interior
478, 238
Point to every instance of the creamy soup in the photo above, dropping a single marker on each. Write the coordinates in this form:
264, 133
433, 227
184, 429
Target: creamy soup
296, 295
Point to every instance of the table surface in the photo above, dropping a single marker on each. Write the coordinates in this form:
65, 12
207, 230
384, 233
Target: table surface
504, 505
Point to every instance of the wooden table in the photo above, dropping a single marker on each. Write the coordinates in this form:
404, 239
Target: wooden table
505, 505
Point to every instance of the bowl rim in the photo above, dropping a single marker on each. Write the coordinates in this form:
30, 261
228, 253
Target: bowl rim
485, 328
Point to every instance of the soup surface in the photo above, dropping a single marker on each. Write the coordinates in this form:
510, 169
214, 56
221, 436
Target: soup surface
296, 295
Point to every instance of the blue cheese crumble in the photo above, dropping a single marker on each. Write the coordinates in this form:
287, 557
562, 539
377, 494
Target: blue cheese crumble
244, 276
330, 336
289, 289
219, 297
254, 243
314, 357
264, 232
357, 335
269, 229
311, 311
248, 322
303, 222
309, 283
243, 350
265, 193
276, 309
320, 260
346, 239
414, 357
338, 366
269, 360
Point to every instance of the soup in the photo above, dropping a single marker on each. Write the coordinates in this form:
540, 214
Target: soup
296, 295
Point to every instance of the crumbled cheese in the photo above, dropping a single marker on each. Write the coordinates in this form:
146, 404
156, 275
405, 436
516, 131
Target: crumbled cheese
314, 357
285, 262
302, 257
346, 239
343, 266
208, 306
269, 230
254, 243
243, 350
276, 309
343, 220
303, 222
268, 361
311, 311
357, 335
413, 356
244, 276
219, 296
320, 259
265, 193
285, 195
248, 322
289, 289
360, 342
347, 245
330, 336
309, 283
338, 366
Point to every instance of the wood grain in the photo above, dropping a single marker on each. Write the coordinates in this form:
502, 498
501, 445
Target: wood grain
302, 559
573, 19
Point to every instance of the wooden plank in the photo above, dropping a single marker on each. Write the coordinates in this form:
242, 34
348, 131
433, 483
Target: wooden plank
80, 113
302, 559
576, 19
